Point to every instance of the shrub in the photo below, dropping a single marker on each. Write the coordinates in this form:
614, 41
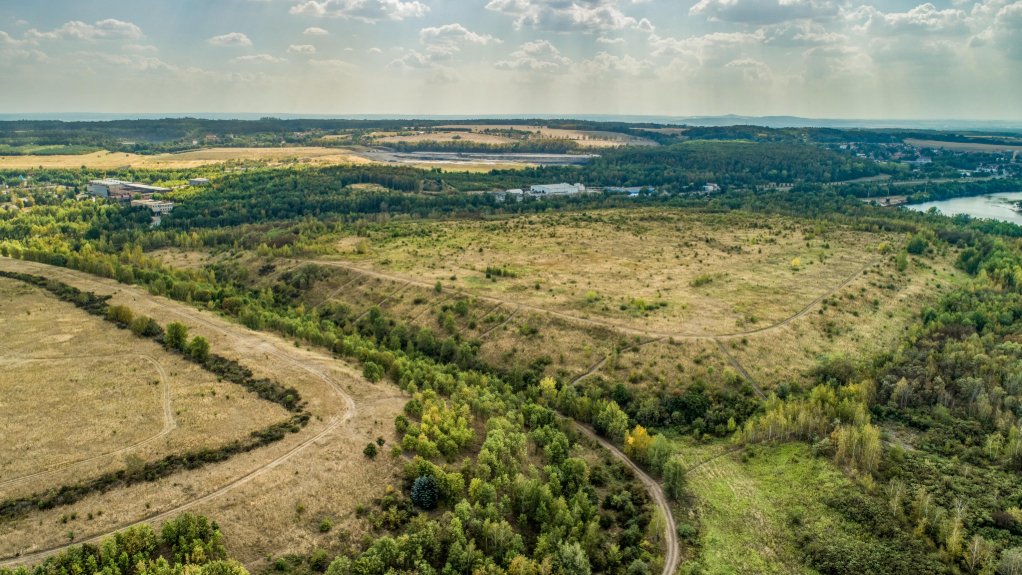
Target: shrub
198, 349
370, 451
425, 492
143, 326
120, 315
372, 371
917, 245
176, 336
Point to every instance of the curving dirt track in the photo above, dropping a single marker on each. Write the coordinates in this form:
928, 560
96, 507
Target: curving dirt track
297, 360
673, 555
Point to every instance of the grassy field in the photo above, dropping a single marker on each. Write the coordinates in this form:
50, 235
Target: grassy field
744, 505
963, 146
131, 398
664, 272
654, 298
285, 489
584, 138
194, 159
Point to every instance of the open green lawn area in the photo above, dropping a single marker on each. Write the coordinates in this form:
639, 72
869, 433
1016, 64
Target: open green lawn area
744, 503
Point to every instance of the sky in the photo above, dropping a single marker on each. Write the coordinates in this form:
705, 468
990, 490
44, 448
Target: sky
902, 59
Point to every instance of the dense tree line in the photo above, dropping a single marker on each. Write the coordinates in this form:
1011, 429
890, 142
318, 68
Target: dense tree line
187, 544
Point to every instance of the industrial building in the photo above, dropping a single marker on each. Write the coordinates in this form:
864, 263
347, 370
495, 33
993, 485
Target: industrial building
157, 207
121, 190
556, 190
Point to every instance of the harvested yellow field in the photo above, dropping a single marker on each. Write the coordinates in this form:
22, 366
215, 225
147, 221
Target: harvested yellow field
447, 136
963, 146
193, 159
584, 138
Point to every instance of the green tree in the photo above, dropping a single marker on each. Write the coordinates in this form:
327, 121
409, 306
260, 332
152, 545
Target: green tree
571, 559
372, 371
176, 337
425, 492
370, 451
674, 478
198, 349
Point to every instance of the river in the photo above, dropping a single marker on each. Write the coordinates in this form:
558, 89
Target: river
991, 207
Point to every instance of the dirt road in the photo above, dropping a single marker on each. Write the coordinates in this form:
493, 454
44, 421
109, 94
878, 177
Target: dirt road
672, 555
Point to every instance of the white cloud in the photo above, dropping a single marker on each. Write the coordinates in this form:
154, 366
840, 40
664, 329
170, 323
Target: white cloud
703, 47
563, 15
109, 29
301, 49
134, 62
539, 56
765, 11
364, 10
260, 59
374, 50
604, 64
605, 40
315, 31
414, 59
923, 18
1005, 32
752, 70
449, 38
332, 63
230, 39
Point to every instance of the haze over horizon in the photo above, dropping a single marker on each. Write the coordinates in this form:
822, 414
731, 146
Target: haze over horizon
838, 59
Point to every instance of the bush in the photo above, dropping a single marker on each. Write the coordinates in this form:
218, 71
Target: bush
917, 245
372, 371
370, 451
425, 492
176, 336
120, 315
198, 349
143, 326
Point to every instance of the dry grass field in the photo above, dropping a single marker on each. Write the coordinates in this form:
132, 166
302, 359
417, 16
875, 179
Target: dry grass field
184, 160
285, 489
584, 138
654, 298
81, 396
660, 272
441, 136
963, 146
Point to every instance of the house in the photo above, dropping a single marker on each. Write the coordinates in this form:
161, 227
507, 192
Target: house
514, 195
198, 182
118, 189
556, 189
711, 188
632, 191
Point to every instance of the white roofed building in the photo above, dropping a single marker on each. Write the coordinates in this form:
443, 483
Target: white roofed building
556, 189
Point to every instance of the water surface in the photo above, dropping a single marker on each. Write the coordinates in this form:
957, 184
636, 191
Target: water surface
998, 206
